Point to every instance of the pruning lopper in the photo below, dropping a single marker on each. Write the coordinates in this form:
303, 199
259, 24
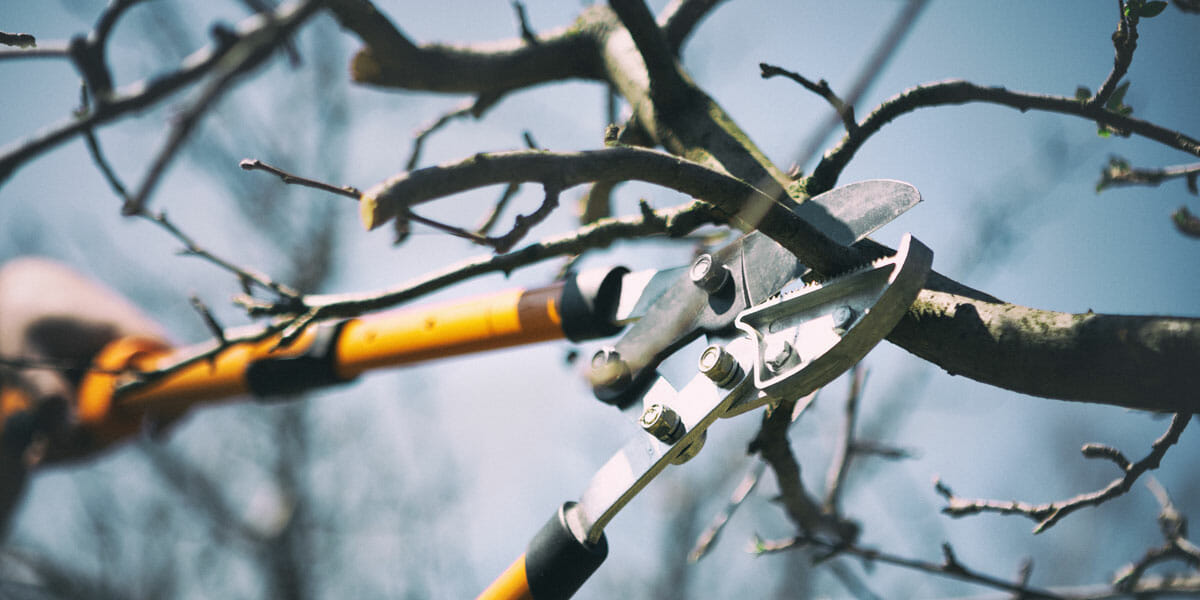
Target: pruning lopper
765, 346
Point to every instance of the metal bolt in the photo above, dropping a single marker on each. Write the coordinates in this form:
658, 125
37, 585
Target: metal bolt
718, 365
708, 275
608, 369
778, 355
843, 316
662, 422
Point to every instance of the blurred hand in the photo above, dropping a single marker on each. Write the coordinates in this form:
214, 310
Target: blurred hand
50, 314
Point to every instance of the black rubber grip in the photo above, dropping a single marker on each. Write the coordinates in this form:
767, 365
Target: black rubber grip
588, 314
556, 563
317, 367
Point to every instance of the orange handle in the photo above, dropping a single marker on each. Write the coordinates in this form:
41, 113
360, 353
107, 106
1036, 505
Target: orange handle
387, 339
554, 566
512, 584
498, 320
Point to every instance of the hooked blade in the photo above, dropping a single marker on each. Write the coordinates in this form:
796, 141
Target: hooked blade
845, 214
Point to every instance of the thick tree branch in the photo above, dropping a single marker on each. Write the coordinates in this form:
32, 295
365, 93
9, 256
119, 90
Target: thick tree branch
666, 84
951, 325
961, 92
681, 17
391, 198
1145, 362
390, 59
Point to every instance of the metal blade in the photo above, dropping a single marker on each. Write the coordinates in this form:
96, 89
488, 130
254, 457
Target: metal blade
845, 214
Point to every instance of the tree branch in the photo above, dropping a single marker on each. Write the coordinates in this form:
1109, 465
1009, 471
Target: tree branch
390, 59
950, 567
1119, 173
681, 17
1144, 362
1047, 515
145, 93
961, 92
1124, 43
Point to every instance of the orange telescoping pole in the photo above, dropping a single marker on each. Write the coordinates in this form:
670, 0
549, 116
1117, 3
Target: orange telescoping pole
509, 318
323, 355
510, 585
555, 565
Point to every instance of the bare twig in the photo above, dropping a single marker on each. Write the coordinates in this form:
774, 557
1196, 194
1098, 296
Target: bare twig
708, 538
1177, 547
142, 94
960, 92
210, 322
1118, 172
884, 50
254, 164
840, 465
527, 33
950, 567
1046, 515
245, 276
1124, 43
473, 108
524, 223
805, 512
489, 221
253, 50
821, 88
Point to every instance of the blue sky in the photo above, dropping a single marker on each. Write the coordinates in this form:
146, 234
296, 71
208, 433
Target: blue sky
1009, 208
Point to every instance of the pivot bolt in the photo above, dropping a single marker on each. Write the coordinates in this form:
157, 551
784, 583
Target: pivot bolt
707, 274
843, 317
662, 422
718, 365
778, 355
609, 370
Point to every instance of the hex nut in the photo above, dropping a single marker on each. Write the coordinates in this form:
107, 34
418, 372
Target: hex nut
662, 422
718, 365
707, 274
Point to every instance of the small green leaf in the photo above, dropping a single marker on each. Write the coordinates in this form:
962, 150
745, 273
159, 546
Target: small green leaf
1082, 94
1117, 97
1103, 131
1152, 9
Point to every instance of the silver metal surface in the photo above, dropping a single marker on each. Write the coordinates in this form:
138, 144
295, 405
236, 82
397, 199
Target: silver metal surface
818, 322
698, 405
758, 267
845, 214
